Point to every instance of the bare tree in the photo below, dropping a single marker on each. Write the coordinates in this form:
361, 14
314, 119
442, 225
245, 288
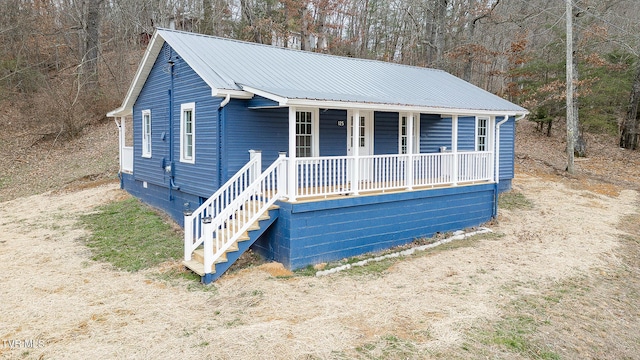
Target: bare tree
629, 137
92, 45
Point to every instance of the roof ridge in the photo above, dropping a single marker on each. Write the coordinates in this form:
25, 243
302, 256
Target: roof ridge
278, 48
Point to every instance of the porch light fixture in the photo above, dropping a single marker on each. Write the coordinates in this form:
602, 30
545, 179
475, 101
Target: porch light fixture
187, 209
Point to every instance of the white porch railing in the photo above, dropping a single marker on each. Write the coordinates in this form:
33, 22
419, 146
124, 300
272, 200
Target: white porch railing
433, 169
383, 172
219, 201
324, 176
475, 166
126, 153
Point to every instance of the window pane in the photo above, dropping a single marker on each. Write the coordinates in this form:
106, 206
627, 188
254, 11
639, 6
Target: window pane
481, 130
146, 133
304, 136
188, 131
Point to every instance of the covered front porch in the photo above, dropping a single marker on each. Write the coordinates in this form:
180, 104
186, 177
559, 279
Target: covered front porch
387, 151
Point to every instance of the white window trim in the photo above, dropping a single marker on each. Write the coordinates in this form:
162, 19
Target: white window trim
416, 132
146, 140
315, 129
184, 107
487, 136
400, 136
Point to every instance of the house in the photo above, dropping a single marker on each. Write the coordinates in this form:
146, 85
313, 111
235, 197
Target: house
307, 157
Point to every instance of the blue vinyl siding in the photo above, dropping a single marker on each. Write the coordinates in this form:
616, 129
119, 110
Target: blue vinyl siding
309, 233
268, 130
507, 153
246, 129
199, 178
258, 101
385, 133
466, 133
434, 133
155, 97
333, 138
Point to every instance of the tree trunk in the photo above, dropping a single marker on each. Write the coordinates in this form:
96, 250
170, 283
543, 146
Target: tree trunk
322, 35
468, 66
364, 30
437, 33
579, 145
207, 23
629, 128
305, 43
92, 43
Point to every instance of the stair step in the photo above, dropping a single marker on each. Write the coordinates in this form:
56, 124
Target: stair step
198, 255
272, 207
253, 226
264, 216
243, 237
195, 266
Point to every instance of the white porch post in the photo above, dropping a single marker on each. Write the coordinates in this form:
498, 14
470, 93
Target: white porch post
256, 170
409, 168
496, 153
121, 138
281, 177
454, 148
291, 173
207, 228
355, 149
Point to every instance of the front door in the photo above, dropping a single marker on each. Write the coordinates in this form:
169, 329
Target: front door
365, 141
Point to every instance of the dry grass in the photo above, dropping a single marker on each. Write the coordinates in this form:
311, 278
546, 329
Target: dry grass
591, 315
33, 163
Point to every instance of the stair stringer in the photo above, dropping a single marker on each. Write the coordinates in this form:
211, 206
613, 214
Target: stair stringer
232, 256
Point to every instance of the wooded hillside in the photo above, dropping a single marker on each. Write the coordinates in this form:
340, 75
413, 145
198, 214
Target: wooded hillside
65, 63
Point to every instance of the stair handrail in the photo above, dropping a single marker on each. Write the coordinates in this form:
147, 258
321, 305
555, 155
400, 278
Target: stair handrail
244, 211
227, 193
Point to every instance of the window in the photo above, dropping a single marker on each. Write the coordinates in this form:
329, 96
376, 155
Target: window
146, 133
363, 127
363, 131
403, 134
404, 141
304, 134
188, 132
482, 125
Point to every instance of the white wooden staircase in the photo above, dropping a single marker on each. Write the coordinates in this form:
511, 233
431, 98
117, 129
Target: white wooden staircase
233, 218
235, 250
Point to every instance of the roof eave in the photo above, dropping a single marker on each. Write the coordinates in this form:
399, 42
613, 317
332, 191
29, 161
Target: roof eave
121, 111
334, 104
236, 94
396, 108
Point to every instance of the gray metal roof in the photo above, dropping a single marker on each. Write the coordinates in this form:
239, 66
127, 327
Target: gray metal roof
292, 74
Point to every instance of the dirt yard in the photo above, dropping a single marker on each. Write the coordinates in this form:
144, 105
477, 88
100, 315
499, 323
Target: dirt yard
557, 279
